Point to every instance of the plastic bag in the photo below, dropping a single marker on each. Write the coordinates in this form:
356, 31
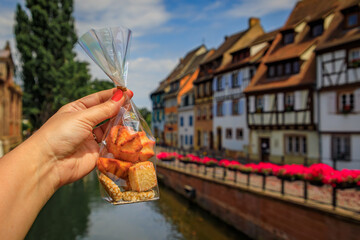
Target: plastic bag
126, 167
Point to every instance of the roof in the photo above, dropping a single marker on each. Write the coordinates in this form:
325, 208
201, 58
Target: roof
304, 11
226, 45
182, 65
4, 53
340, 35
309, 11
266, 37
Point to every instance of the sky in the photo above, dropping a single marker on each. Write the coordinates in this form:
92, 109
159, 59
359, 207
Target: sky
163, 30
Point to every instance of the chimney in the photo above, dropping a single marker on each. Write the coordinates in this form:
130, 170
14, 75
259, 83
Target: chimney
253, 21
7, 45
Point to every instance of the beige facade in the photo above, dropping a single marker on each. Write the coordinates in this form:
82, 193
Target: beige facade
10, 104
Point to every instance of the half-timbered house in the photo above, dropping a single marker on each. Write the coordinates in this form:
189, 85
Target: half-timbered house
338, 84
229, 124
204, 85
281, 95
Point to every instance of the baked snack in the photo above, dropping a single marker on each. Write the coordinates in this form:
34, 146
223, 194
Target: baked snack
148, 147
114, 166
142, 176
124, 143
138, 196
111, 188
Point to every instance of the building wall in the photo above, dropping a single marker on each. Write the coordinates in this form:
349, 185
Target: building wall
263, 215
10, 108
278, 148
186, 129
204, 126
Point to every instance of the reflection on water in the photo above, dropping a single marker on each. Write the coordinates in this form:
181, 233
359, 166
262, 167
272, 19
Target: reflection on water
77, 212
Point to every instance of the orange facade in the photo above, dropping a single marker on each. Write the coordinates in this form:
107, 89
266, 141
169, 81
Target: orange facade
10, 104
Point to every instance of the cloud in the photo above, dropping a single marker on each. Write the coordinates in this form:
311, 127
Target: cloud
142, 16
259, 8
145, 75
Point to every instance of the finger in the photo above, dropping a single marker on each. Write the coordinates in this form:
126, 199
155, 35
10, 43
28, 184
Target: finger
98, 132
96, 114
95, 98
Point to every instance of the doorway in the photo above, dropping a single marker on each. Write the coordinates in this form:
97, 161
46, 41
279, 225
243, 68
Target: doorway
265, 149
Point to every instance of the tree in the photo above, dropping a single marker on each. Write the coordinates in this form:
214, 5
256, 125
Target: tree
146, 115
45, 38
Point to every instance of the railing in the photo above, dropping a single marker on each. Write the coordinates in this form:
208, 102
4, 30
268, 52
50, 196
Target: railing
303, 189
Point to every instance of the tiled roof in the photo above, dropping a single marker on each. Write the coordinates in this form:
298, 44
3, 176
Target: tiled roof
304, 11
226, 45
4, 53
290, 51
340, 35
266, 37
309, 10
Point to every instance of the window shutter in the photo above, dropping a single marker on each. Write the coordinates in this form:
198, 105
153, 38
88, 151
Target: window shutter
230, 80
280, 101
266, 102
223, 109
298, 100
331, 102
223, 79
214, 109
230, 107
252, 104
357, 100
240, 78
214, 84
241, 106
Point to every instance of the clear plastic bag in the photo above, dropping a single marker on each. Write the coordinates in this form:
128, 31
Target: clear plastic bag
126, 166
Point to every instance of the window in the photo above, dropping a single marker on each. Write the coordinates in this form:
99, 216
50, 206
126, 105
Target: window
235, 107
287, 68
181, 121
219, 109
239, 133
251, 73
259, 103
204, 113
219, 83
234, 80
341, 147
271, 72
288, 37
228, 133
317, 29
198, 114
190, 121
296, 145
354, 57
352, 20
289, 101
191, 140
346, 102
283, 68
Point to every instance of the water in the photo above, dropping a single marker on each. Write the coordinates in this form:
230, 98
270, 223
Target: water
77, 212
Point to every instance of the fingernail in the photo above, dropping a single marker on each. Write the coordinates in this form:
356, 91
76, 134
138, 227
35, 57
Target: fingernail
131, 93
117, 95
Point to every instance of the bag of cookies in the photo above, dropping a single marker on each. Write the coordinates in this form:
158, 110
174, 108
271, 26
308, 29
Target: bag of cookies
126, 167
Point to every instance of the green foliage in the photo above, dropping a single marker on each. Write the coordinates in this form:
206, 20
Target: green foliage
146, 115
51, 75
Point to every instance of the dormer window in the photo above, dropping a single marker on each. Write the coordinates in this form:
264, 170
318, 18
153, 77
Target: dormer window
352, 17
240, 55
288, 37
281, 69
317, 28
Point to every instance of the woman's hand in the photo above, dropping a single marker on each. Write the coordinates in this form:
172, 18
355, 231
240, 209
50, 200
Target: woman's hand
68, 136
62, 151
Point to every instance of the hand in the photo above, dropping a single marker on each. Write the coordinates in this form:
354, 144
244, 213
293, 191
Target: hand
67, 138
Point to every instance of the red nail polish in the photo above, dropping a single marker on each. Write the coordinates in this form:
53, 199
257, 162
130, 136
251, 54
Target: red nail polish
131, 93
117, 95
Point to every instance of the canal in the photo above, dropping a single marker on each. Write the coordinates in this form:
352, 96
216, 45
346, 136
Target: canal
77, 212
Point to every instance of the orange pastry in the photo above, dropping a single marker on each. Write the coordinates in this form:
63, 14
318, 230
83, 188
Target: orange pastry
114, 166
142, 176
148, 147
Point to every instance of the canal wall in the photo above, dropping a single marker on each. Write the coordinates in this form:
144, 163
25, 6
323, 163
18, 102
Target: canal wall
259, 214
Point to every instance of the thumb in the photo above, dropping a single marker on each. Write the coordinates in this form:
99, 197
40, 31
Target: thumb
103, 111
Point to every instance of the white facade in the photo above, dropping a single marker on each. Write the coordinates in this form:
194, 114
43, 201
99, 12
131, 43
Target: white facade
229, 110
186, 122
338, 83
